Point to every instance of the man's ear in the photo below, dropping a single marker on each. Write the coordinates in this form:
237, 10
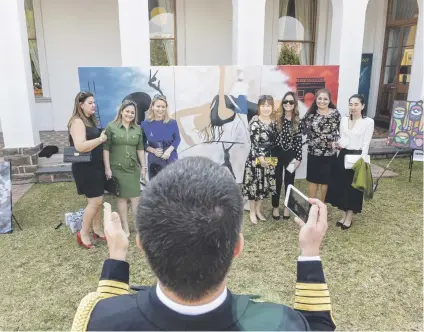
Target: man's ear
139, 244
239, 246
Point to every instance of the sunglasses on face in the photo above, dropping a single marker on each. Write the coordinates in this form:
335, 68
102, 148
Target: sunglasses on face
128, 103
83, 95
159, 97
291, 102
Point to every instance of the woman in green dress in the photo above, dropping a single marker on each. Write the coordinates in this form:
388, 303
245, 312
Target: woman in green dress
124, 145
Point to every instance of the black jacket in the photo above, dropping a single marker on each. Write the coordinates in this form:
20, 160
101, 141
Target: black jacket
143, 311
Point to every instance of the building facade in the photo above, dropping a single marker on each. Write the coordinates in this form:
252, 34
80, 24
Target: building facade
43, 43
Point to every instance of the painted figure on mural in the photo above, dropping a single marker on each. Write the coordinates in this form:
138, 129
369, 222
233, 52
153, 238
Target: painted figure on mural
224, 120
210, 118
406, 127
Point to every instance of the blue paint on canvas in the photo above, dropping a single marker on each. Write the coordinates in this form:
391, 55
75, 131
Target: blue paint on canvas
5, 198
110, 85
365, 76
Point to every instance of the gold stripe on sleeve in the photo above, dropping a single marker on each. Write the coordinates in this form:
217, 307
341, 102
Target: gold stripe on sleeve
312, 300
112, 290
312, 293
116, 284
312, 307
301, 285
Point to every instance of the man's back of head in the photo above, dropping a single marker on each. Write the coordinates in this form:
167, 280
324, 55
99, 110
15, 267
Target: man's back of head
189, 221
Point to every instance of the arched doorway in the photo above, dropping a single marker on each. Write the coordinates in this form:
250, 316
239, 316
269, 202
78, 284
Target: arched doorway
401, 28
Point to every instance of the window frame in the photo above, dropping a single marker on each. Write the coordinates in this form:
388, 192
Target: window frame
42, 59
314, 31
174, 3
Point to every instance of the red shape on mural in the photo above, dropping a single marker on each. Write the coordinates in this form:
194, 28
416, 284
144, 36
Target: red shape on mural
306, 80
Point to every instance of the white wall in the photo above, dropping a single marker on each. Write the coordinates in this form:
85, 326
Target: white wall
44, 114
206, 33
375, 24
77, 33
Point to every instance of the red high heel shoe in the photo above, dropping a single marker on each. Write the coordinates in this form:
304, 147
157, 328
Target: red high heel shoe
82, 244
97, 236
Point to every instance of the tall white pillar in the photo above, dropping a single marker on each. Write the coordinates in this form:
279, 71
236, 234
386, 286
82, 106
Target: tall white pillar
416, 86
17, 103
134, 32
347, 35
248, 32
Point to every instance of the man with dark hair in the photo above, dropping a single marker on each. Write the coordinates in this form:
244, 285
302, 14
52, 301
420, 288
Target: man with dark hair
189, 226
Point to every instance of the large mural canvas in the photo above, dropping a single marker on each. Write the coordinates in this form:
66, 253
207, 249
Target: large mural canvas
406, 125
5, 198
211, 104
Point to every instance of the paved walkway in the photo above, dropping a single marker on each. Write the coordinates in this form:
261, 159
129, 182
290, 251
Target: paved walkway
18, 190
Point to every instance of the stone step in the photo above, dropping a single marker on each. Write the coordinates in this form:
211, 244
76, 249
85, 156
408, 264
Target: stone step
388, 152
23, 178
378, 142
54, 161
62, 173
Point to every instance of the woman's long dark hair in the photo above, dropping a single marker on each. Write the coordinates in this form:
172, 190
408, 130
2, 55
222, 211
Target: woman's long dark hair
362, 101
314, 107
282, 112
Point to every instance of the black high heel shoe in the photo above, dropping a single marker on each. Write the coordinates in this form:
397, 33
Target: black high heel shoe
276, 217
339, 224
344, 228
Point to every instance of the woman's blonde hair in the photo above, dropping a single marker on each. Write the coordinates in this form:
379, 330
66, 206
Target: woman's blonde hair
124, 105
151, 116
80, 98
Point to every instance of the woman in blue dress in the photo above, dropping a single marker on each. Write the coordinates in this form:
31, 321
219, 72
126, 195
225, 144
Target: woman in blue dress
162, 136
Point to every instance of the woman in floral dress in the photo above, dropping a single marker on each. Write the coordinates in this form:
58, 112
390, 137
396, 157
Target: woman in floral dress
259, 179
321, 124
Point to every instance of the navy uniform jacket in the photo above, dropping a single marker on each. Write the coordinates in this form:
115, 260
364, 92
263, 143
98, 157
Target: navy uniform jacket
113, 308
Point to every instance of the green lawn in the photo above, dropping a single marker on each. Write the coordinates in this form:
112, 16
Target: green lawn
374, 270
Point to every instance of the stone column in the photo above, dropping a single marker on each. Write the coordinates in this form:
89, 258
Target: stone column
134, 32
416, 87
347, 35
21, 137
248, 32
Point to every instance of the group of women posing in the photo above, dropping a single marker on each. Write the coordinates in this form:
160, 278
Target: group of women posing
276, 135
118, 152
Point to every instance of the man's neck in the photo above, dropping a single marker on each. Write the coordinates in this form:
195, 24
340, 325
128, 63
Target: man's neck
204, 300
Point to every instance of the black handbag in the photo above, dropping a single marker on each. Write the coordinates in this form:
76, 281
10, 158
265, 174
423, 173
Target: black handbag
71, 155
112, 186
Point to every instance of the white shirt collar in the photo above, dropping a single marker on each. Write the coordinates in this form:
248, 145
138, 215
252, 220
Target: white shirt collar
188, 309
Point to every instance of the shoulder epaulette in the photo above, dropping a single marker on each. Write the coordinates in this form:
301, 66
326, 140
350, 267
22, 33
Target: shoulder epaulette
105, 289
85, 308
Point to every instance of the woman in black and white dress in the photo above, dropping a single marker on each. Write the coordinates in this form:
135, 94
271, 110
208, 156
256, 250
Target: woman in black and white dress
356, 132
289, 149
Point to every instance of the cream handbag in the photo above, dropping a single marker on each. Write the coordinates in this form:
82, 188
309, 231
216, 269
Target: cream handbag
351, 159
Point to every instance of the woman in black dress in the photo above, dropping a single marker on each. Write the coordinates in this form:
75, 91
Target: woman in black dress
289, 149
259, 175
89, 177
321, 124
356, 132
